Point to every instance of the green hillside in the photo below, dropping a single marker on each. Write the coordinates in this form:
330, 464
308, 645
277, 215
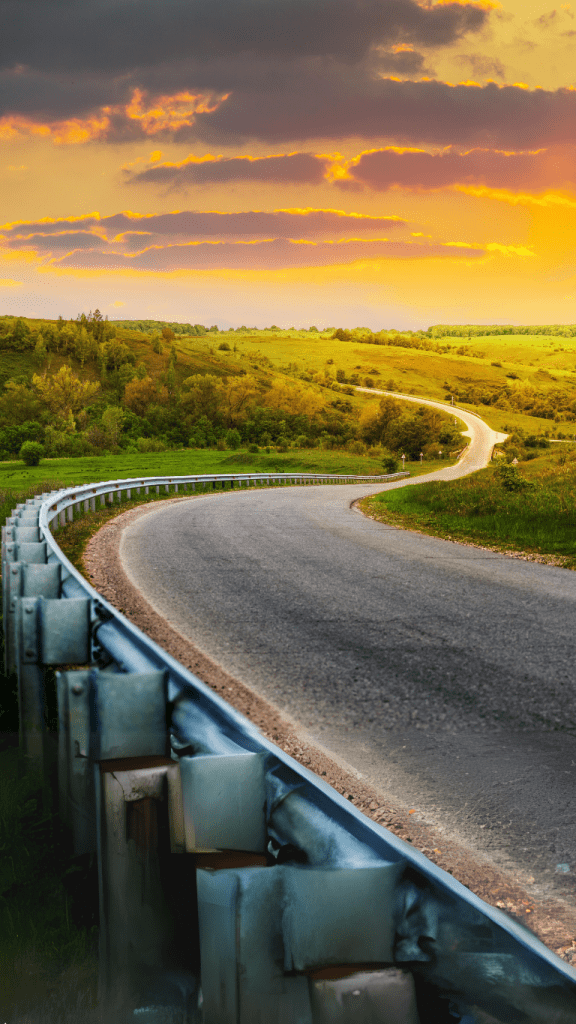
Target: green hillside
90, 386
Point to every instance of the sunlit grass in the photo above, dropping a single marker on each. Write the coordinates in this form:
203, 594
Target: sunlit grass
15, 476
539, 518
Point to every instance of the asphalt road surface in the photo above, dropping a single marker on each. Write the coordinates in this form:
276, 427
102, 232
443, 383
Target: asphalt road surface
445, 673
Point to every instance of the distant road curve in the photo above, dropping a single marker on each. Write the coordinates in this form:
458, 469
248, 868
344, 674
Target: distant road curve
482, 437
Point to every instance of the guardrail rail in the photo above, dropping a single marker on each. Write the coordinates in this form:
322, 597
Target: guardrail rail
235, 886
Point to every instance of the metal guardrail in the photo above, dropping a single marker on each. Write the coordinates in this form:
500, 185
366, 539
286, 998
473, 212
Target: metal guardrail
235, 886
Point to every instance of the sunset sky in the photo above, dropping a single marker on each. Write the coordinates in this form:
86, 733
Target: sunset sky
375, 163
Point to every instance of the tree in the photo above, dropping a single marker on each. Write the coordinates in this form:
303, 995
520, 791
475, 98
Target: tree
64, 394
168, 334
112, 421
412, 432
139, 394
293, 398
204, 395
18, 404
83, 345
238, 393
376, 418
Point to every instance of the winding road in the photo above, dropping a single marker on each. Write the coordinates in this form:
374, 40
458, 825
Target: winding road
442, 672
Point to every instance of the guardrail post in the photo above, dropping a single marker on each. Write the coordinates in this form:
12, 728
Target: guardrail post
265, 932
49, 631
139, 821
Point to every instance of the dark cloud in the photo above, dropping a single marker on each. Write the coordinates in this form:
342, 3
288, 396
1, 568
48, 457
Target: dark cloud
295, 70
383, 169
191, 225
121, 36
277, 254
65, 241
427, 112
302, 168
402, 62
61, 59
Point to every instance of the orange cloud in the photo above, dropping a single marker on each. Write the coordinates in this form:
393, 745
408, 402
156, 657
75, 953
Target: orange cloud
139, 118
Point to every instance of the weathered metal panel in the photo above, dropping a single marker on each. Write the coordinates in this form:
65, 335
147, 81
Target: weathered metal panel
352, 910
224, 802
128, 714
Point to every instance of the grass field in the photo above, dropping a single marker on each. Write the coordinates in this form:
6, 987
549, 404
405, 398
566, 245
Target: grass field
15, 476
544, 362
535, 513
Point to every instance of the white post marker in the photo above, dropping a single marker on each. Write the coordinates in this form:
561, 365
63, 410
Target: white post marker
403, 457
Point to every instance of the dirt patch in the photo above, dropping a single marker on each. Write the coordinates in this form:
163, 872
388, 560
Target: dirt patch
552, 921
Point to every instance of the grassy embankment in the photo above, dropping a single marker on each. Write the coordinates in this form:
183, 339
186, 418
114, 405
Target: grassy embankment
532, 510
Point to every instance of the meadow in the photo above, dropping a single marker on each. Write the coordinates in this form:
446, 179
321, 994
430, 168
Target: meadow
546, 363
16, 477
529, 508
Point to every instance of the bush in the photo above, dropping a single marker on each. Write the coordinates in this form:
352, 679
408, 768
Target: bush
356, 447
233, 439
150, 444
282, 444
224, 346
253, 448
390, 464
510, 479
31, 452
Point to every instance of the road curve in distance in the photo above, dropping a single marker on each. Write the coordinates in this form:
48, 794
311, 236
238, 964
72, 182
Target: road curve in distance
482, 437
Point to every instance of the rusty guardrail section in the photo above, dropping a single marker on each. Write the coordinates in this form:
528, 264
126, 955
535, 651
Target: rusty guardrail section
235, 886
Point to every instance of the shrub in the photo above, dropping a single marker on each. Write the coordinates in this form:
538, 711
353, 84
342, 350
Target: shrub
31, 452
221, 444
233, 439
510, 479
390, 464
253, 448
150, 444
282, 444
224, 346
356, 447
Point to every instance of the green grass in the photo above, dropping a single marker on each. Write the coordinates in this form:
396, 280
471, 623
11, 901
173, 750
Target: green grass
546, 362
539, 519
15, 476
47, 952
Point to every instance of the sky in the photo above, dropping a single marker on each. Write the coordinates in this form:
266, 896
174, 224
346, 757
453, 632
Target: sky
348, 163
